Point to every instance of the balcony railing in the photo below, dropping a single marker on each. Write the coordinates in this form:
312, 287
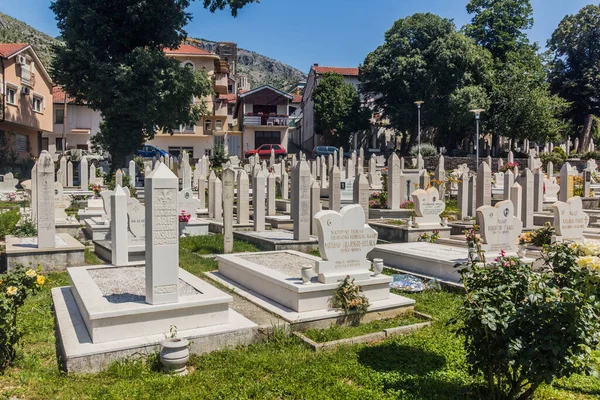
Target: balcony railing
265, 120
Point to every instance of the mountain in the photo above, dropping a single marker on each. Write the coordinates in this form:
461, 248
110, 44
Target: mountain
260, 69
14, 31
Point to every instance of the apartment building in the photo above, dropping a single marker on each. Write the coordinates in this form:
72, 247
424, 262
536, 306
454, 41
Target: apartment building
27, 107
73, 129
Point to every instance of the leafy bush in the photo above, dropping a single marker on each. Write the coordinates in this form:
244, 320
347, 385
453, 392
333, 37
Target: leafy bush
560, 152
8, 221
556, 159
15, 287
595, 155
523, 328
26, 228
539, 237
427, 150
218, 156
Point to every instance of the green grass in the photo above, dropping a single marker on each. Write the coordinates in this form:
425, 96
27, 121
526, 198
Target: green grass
12, 204
337, 332
91, 258
213, 244
399, 222
428, 364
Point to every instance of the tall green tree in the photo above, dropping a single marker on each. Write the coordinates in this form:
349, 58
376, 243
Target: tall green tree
575, 69
521, 103
113, 59
338, 110
424, 58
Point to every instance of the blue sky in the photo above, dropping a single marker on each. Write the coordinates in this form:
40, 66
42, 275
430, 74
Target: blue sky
303, 32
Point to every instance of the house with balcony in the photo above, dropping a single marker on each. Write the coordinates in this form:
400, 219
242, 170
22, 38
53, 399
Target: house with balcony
74, 125
264, 114
27, 108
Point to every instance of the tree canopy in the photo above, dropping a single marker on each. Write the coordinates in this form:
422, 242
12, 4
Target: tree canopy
424, 58
575, 68
113, 59
338, 109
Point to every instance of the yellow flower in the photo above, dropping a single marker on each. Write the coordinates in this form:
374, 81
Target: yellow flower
591, 262
11, 290
30, 273
40, 280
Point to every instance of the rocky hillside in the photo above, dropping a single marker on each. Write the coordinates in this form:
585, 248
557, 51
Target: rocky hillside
260, 69
14, 31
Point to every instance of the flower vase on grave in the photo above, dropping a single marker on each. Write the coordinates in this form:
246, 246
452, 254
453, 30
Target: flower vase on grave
521, 251
377, 266
174, 355
445, 221
307, 273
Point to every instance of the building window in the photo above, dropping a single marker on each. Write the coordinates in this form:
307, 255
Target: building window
188, 127
218, 125
266, 137
59, 144
229, 109
11, 95
36, 103
207, 125
219, 141
177, 151
59, 116
22, 143
189, 64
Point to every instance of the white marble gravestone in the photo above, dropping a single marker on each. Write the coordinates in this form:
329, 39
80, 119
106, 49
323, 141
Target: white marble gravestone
484, 185
83, 174
428, 207
334, 188
228, 195
301, 182
361, 193
8, 183
243, 198
344, 242
162, 236
258, 200
118, 227
393, 184
567, 182
136, 221
271, 194
499, 228
45, 201
570, 220
186, 201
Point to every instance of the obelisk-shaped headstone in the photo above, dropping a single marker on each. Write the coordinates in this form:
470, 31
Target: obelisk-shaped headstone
63, 168
118, 227
45, 201
243, 198
511, 157
83, 174
484, 185
509, 179
119, 178
334, 188
516, 196
131, 172
285, 185
228, 193
567, 182
258, 200
202, 191
34, 193
526, 182
301, 182
361, 193
211, 194
538, 191
463, 196
92, 178
218, 199
350, 171
315, 205
162, 236
70, 174
271, 194
473, 196
393, 183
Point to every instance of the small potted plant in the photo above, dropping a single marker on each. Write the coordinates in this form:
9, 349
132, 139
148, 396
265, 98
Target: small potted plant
175, 353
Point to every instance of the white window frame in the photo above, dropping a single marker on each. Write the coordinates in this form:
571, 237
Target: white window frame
190, 63
207, 122
13, 88
35, 97
217, 123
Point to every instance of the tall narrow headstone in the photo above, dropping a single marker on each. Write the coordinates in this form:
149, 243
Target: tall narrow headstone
334, 188
218, 199
550, 169
118, 227
489, 161
424, 180
463, 196
63, 168
285, 186
83, 174
484, 185
34, 193
393, 183
162, 236
228, 193
202, 192
131, 171
70, 174
509, 179
350, 171
359, 166
119, 178
500, 164
272, 158
92, 178
301, 193
587, 183
511, 157
243, 198
361, 193
45, 201
402, 166
440, 170
211, 194
271, 194
567, 182
526, 182
315, 205
538, 191
258, 200
516, 196
473, 196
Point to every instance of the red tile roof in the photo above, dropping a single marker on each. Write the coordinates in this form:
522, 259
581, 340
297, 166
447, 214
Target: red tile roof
7, 49
58, 95
337, 70
297, 98
189, 49
230, 97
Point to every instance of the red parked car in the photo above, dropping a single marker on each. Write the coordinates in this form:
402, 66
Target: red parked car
264, 151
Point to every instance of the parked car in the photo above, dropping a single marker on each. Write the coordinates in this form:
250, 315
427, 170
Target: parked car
324, 151
264, 151
150, 151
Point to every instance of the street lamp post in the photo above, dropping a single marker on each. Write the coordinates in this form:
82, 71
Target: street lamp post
418, 103
477, 113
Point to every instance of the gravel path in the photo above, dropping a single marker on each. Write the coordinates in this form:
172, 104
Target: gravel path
128, 284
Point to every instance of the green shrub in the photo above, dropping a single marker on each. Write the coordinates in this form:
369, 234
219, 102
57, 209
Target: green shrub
560, 152
427, 150
218, 156
523, 328
595, 155
8, 222
26, 228
556, 159
15, 287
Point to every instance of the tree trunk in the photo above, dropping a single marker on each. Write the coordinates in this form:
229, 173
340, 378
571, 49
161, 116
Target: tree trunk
586, 134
